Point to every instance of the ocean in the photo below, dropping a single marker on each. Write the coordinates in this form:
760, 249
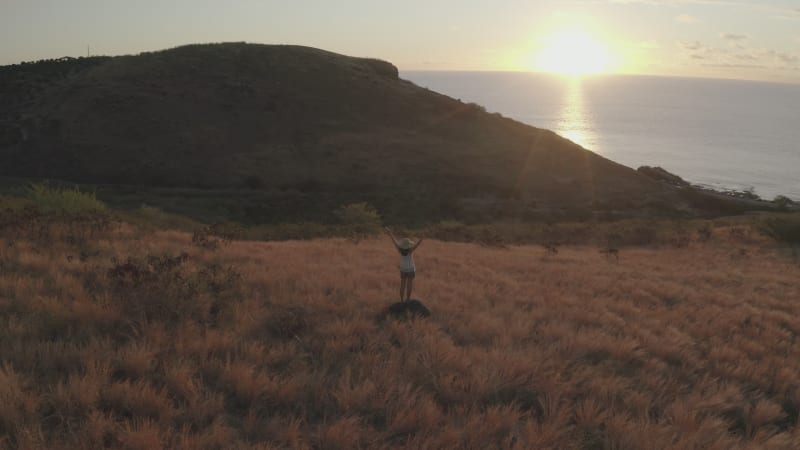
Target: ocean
726, 134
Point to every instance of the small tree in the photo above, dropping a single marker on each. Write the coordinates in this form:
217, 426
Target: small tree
359, 220
783, 202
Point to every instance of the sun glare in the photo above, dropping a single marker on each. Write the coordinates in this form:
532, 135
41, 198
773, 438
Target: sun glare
573, 53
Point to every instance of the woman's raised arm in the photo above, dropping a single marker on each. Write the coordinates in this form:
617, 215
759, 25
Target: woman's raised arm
391, 235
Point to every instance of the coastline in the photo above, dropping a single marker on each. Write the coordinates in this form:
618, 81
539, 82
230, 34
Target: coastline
746, 200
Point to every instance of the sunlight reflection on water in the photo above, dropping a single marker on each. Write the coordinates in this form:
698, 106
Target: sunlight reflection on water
575, 122
725, 133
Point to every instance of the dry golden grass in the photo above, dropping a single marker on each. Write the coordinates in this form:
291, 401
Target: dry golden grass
276, 345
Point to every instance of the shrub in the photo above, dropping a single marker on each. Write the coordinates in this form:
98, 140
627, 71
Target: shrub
705, 232
10, 203
489, 237
359, 220
212, 236
449, 230
63, 200
641, 234
54, 213
783, 202
161, 287
782, 228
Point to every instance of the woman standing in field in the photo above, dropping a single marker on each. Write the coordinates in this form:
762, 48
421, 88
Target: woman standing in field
407, 269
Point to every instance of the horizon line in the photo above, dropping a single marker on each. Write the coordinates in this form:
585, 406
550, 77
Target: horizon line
600, 75
533, 72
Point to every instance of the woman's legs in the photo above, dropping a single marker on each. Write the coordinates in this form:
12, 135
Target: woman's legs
402, 285
409, 285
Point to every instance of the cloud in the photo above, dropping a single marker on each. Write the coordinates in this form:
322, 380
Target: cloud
778, 56
772, 8
734, 36
735, 66
739, 55
787, 58
687, 19
690, 45
792, 14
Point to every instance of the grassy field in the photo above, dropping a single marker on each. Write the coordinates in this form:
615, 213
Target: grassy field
120, 338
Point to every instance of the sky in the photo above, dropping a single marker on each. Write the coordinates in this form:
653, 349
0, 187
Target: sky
743, 39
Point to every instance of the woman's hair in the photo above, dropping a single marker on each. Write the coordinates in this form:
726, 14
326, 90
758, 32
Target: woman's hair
404, 252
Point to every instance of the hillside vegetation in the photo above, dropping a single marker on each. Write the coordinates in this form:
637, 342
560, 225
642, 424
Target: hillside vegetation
302, 129
115, 337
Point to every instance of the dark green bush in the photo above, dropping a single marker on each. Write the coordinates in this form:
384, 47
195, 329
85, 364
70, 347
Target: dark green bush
782, 202
358, 220
49, 213
782, 228
61, 200
211, 237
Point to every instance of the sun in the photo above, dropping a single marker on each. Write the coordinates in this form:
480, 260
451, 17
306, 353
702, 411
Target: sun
573, 53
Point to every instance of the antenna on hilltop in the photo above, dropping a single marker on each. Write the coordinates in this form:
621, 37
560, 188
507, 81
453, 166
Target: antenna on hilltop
87, 52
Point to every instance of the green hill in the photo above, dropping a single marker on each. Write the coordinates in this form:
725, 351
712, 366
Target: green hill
299, 122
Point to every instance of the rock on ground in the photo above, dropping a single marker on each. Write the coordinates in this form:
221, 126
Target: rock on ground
406, 310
